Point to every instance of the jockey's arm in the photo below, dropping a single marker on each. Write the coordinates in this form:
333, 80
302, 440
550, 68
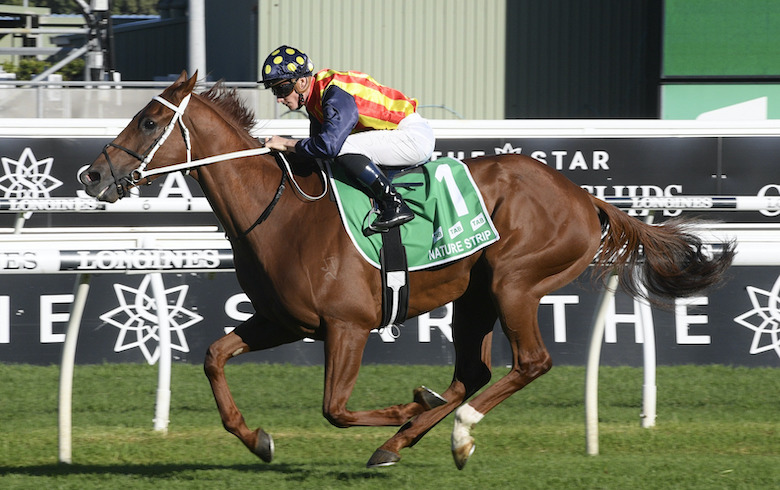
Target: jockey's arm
340, 115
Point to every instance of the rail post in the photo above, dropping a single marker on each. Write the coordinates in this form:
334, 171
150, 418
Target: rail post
65, 423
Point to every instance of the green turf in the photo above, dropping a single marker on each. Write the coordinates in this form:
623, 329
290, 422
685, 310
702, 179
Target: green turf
717, 427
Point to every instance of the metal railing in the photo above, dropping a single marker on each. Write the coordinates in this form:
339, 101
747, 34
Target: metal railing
103, 99
122, 99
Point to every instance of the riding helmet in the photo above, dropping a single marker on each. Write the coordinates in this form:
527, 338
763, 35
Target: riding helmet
285, 63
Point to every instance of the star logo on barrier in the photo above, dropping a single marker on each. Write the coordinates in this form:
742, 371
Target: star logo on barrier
137, 319
763, 319
27, 177
508, 148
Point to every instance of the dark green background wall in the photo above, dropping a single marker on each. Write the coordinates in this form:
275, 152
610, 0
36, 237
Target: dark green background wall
721, 37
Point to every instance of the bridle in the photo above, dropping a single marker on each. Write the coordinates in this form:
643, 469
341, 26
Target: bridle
139, 174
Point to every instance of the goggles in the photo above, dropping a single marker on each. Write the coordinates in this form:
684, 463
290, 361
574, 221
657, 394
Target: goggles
282, 90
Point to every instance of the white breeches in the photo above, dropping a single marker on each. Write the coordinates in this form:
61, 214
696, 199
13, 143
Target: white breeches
409, 144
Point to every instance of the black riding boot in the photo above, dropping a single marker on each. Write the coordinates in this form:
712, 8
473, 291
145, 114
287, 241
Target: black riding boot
393, 211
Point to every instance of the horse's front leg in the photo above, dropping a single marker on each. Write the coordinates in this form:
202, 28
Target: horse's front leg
344, 345
254, 334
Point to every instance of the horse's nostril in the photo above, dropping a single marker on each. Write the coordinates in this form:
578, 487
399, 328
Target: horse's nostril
90, 177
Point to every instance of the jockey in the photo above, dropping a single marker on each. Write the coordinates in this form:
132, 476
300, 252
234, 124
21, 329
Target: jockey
356, 122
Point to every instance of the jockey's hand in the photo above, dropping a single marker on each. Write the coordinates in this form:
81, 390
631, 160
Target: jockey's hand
279, 143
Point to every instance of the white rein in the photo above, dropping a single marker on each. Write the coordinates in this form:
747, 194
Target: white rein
141, 172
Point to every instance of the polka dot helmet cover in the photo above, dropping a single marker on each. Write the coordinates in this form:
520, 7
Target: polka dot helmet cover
285, 63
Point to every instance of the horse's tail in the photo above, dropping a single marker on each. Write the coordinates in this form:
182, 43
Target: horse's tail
670, 258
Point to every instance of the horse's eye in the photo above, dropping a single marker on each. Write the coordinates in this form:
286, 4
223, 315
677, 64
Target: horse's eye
149, 124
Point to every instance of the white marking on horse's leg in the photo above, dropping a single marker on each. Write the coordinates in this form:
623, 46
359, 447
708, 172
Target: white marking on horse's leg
465, 418
238, 352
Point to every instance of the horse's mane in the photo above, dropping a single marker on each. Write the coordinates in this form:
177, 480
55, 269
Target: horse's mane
228, 100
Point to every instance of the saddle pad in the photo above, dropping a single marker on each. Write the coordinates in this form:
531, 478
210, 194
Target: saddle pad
451, 221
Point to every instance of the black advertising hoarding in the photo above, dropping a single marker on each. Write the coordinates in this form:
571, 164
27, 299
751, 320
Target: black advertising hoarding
49, 167
654, 166
732, 325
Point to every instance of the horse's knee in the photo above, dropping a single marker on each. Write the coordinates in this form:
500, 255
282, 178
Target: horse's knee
210, 364
337, 417
543, 364
213, 362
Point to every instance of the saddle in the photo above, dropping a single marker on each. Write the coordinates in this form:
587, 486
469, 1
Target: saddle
451, 222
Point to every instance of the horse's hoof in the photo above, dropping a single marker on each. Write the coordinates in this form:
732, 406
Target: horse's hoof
264, 447
462, 453
428, 398
382, 457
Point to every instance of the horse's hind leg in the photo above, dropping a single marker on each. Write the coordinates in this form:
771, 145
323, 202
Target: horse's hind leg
252, 335
473, 320
530, 360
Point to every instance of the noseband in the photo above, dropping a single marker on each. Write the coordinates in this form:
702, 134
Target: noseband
140, 173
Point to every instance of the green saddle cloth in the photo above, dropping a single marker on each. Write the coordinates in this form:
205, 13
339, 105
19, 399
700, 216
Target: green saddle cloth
451, 221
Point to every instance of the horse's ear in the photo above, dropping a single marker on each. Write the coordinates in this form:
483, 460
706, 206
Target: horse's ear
190, 84
183, 86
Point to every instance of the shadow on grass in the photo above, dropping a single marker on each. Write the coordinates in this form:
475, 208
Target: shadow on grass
289, 471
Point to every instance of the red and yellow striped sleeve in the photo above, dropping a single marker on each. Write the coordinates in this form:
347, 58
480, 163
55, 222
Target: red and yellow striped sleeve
379, 107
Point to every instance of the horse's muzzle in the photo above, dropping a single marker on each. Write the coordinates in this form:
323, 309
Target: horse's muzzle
103, 189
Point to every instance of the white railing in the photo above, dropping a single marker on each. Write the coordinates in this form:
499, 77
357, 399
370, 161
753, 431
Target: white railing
93, 250
86, 251
756, 245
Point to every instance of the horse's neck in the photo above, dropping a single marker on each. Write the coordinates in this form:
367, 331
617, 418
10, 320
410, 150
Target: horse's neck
237, 189
240, 190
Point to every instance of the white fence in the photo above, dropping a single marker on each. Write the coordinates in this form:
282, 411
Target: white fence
154, 251
756, 245
91, 250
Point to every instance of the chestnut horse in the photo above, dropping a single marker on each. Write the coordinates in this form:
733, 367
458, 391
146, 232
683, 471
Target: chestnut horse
305, 279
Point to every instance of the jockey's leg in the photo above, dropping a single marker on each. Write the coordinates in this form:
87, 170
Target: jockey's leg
393, 211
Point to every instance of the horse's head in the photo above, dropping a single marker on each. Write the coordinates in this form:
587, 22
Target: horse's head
143, 144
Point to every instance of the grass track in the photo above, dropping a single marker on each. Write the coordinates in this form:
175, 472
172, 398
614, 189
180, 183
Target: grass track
718, 427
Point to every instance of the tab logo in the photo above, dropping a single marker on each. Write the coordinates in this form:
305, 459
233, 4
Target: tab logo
438, 234
456, 230
478, 222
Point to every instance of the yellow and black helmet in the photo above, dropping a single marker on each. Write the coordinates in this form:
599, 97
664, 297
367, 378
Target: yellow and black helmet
285, 63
